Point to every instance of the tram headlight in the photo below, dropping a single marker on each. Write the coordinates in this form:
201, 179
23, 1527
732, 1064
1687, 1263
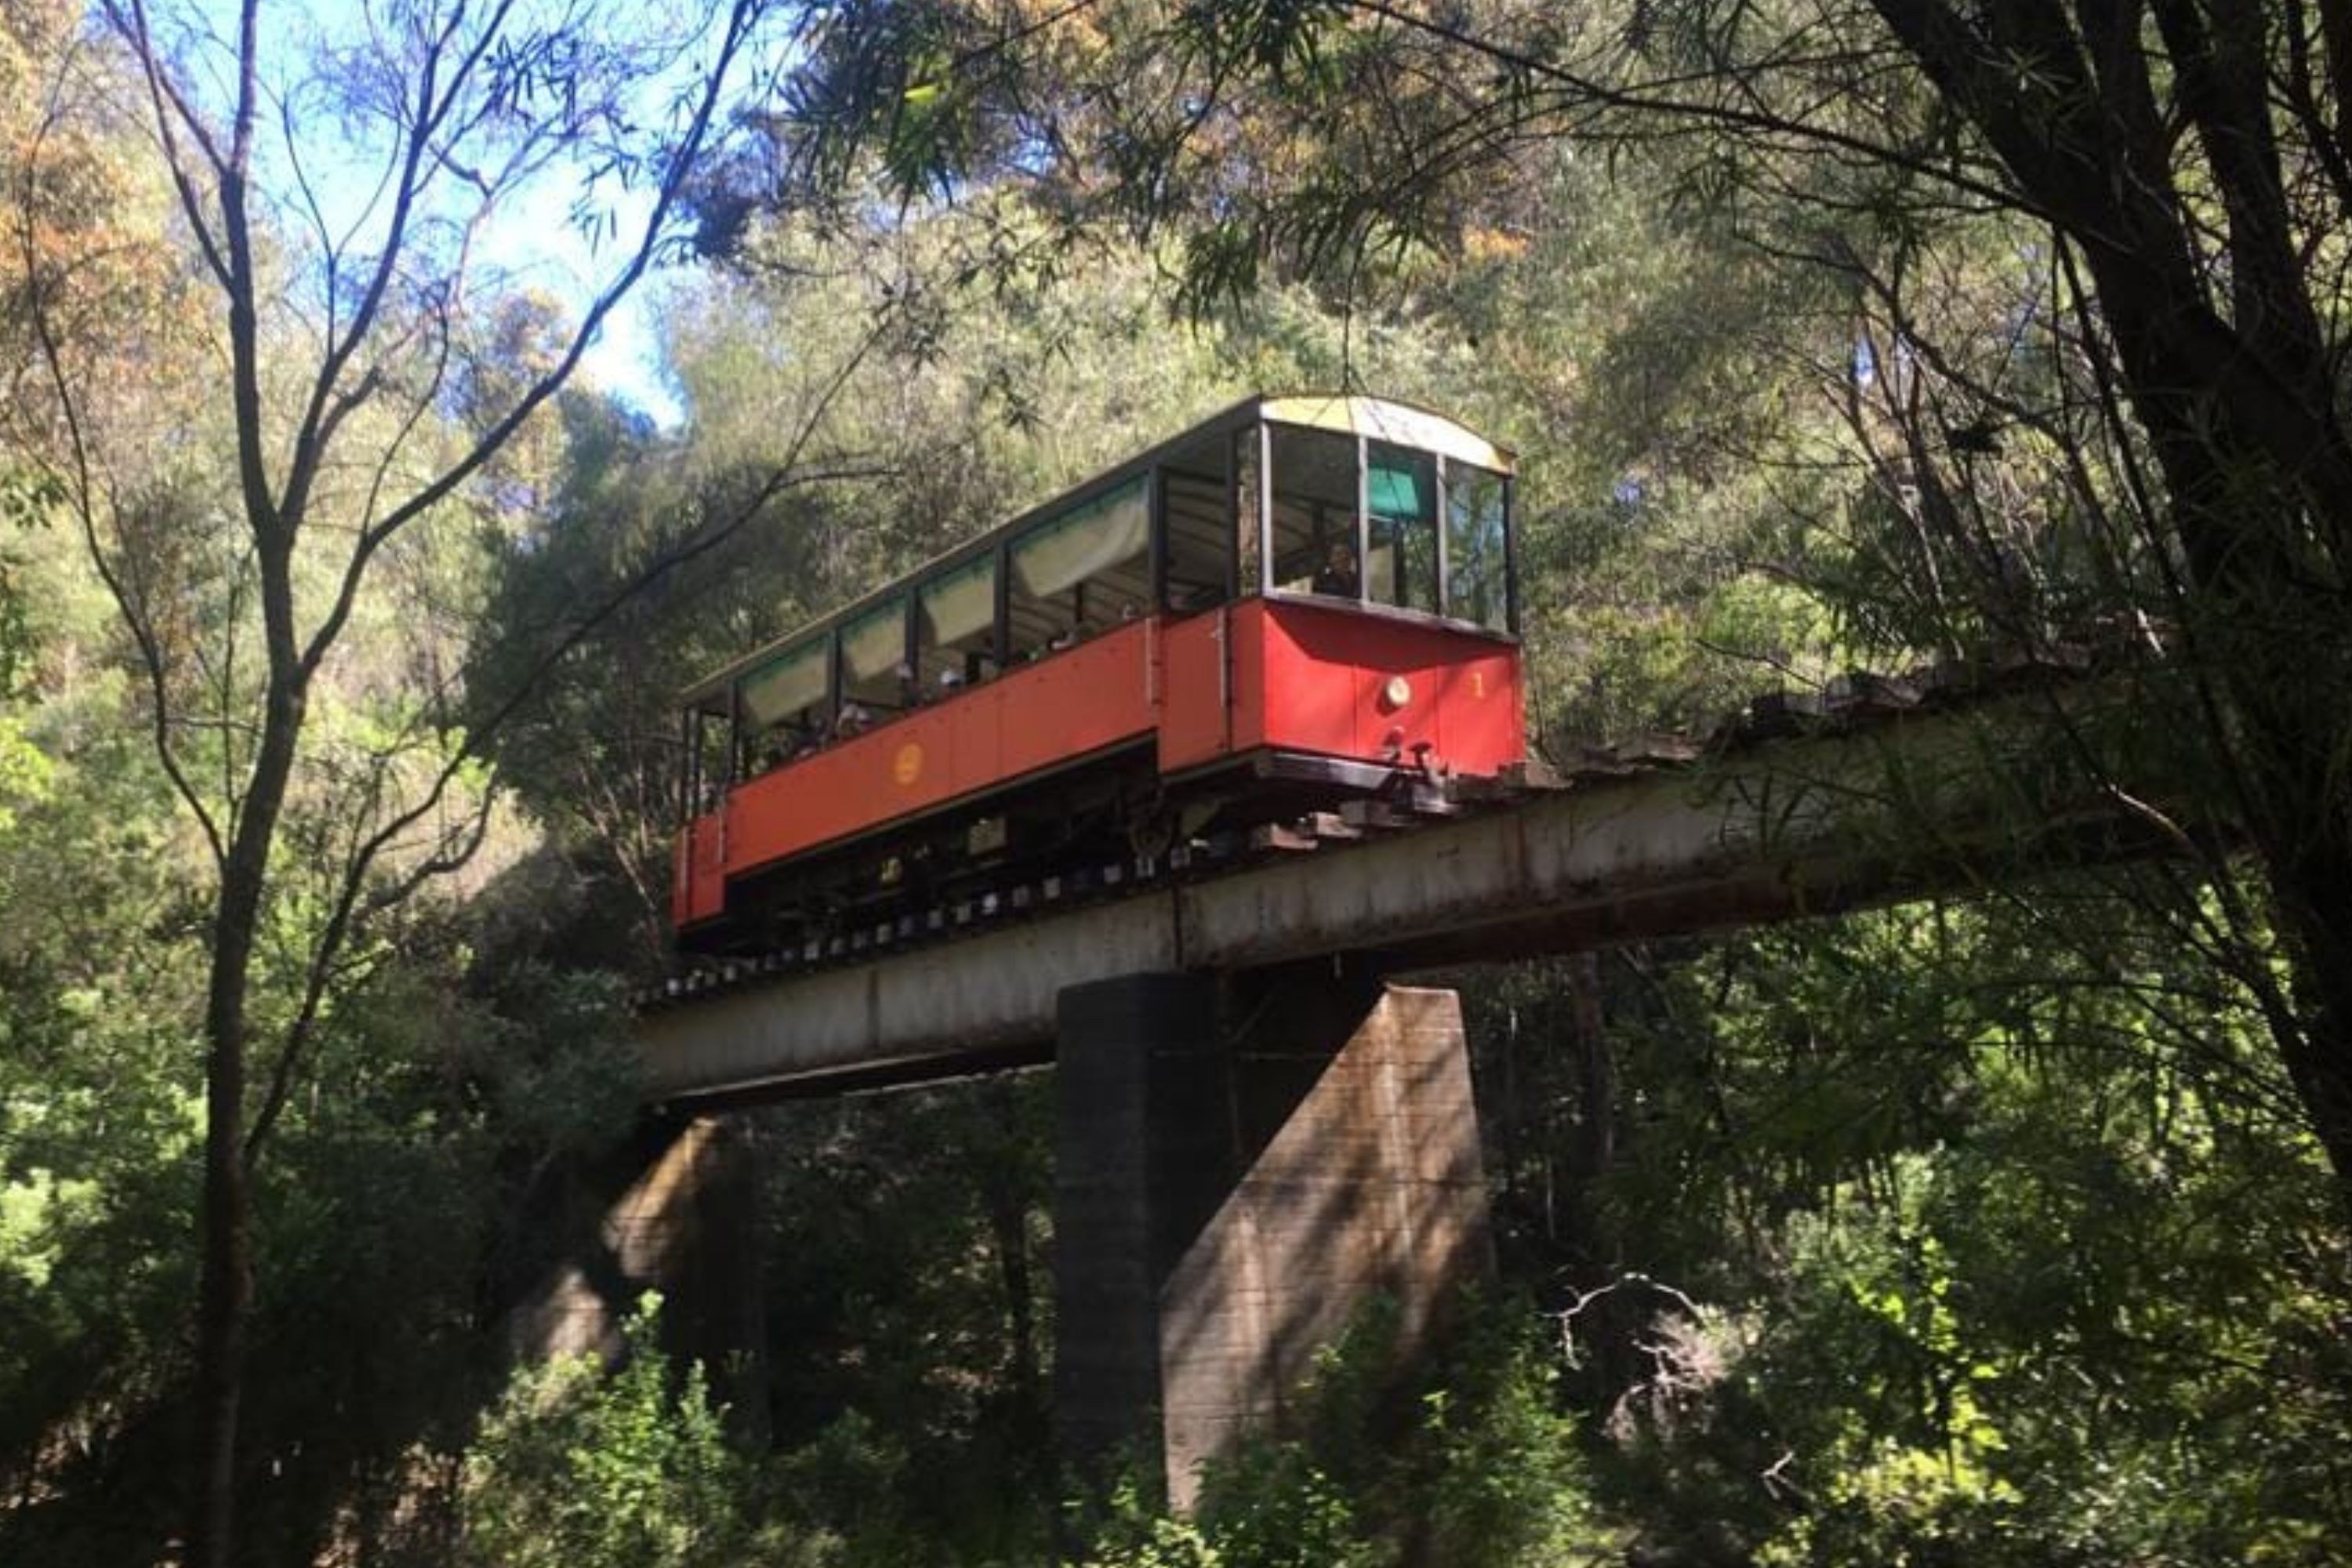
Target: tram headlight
1396, 693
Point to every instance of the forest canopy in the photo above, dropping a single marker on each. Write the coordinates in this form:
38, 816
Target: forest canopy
343, 608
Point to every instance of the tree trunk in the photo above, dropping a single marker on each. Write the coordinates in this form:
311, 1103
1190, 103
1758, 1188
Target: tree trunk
1596, 1083
2240, 411
2284, 689
2252, 533
1005, 1203
2315, 892
226, 1289
1008, 1222
225, 1292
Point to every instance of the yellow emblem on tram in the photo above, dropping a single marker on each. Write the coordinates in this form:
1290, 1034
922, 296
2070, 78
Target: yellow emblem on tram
908, 765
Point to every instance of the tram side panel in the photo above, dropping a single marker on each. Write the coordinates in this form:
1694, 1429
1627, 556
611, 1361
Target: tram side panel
1075, 701
1038, 716
1258, 675
1195, 684
701, 874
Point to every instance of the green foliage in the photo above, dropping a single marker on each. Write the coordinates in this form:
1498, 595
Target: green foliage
1504, 1478
1270, 1504
26, 775
1468, 1460
440, 1101
1993, 1241
1138, 1532
29, 498
1993, 1233
910, 1318
97, 1111
577, 1467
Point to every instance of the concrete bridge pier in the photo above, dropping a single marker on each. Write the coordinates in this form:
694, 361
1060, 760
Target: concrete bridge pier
686, 1223
1241, 1167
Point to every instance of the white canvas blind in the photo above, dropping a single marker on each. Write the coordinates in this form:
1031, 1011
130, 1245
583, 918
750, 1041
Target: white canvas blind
962, 603
875, 644
1083, 543
784, 685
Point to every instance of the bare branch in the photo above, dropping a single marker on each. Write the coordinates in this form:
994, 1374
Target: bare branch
352, 904
1663, 98
548, 382
169, 105
84, 486
325, 409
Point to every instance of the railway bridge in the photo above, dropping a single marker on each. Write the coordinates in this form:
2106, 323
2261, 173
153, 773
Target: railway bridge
1261, 1120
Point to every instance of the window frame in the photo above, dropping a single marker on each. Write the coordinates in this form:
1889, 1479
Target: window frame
1442, 466
901, 666
918, 591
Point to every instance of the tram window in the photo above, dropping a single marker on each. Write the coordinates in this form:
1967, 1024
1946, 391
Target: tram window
704, 773
1248, 509
1477, 585
784, 704
1200, 519
874, 673
1315, 513
1400, 500
1082, 572
955, 629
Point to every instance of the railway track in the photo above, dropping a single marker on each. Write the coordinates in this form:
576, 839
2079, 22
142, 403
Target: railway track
1099, 881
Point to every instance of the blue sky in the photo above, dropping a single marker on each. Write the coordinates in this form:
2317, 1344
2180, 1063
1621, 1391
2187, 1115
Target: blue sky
540, 249
534, 239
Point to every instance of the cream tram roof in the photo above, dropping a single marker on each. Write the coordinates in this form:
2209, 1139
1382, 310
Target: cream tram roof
1382, 419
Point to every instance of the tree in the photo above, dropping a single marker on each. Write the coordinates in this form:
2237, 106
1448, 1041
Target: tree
347, 269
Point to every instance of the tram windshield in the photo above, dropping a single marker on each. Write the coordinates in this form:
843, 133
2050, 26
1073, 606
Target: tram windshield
1477, 546
1383, 523
1401, 506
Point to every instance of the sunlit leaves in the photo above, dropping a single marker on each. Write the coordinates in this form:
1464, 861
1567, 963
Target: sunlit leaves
580, 1468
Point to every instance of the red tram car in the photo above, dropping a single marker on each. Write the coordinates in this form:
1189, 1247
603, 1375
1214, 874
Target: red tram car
1303, 599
